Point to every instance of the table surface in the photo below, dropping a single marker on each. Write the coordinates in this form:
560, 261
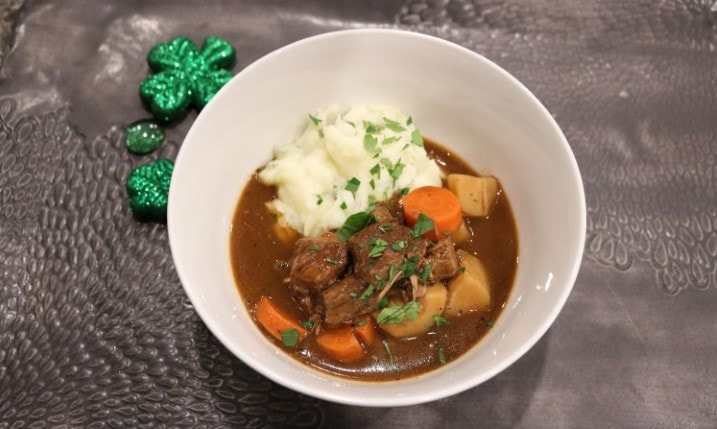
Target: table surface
96, 331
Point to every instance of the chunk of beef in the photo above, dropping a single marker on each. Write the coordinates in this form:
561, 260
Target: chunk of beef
342, 303
400, 247
382, 215
317, 263
443, 260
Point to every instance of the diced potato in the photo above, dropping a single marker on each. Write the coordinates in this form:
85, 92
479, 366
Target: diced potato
476, 194
470, 289
433, 303
462, 235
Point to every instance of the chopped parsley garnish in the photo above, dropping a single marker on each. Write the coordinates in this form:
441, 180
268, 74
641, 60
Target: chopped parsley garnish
376, 247
489, 323
440, 320
399, 245
313, 248
409, 267
350, 123
409, 121
331, 261
462, 269
314, 119
383, 303
308, 324
370, 127
389, 140
385, 227
354, 224
405, 191
353, 185
441, 356
319, 200
361, 323
370, 143
388, 351
393, 125
423, 225
399, 313
367, 293
371, 204
416, 138
343, 205
290, 337
426, 273
376, 171
372, 184
447, 233
394, 170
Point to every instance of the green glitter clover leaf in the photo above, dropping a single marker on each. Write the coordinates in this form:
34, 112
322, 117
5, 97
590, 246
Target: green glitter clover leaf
143, 137
148, 189
184, 76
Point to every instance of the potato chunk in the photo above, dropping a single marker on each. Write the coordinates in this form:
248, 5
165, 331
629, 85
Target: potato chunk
476, 194
470, 289
433, 303
462, 235
282, 230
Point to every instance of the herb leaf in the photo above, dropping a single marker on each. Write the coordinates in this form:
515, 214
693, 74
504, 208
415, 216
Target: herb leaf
376, 247
331, 261
409, 267
388, 351
393, 125
361, 323
441, 356
313, 248
417, 138
410, 120
385, 227
314, 119
399, 313
367, 293
370, 143
308, 324
370, 127
399, 245
343, 205
383, 303
425, 275
376, 171
423, 225
319, 200
440, 320
353, 224
290, 337
353, 185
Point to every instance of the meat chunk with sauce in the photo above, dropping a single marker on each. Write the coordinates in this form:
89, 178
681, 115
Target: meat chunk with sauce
317, 263
443, 259
381, 245
342, 301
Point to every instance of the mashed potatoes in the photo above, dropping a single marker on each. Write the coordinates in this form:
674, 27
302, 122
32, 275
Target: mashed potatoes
340, 163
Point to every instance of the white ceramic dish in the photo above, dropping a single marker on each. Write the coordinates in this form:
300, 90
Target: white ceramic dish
456, 97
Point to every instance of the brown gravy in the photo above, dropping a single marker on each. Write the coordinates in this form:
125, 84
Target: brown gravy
260, 263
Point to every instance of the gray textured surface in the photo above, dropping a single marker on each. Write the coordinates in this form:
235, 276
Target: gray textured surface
95, 330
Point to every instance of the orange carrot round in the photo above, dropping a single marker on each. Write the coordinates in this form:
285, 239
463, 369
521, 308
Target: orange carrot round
274, 320
340, 343
439, 204
366, 332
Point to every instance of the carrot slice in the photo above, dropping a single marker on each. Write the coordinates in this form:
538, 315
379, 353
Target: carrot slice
274, 320
366, 332
340, 343
439, 204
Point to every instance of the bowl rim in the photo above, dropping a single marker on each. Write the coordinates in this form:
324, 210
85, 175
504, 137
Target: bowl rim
460, 385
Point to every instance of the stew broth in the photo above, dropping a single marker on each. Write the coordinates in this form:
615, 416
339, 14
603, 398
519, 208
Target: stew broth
261, 262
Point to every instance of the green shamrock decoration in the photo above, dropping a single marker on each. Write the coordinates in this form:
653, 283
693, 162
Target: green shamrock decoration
184, 76
148, 189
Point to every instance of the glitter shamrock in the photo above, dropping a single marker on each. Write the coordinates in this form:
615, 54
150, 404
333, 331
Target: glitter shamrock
148, 189
184, 76
143, 137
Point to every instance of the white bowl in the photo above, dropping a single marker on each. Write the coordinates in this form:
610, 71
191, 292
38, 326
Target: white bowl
456, 97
